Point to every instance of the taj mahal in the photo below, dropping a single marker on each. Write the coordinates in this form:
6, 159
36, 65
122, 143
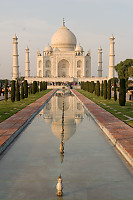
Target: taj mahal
63, 61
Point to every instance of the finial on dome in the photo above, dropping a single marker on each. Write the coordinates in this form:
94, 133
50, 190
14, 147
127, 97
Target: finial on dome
63, 21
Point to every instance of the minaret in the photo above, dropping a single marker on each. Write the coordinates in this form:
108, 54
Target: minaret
99, 62
27, 63
15, 59
111, 57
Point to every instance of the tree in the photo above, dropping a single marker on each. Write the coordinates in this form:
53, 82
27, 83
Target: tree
6, 89
101, 89
122, 92
98, 88
92, 87
115, 92
105, 89
41, 86
122, 68
130, 71
22, 91
34, 90
109, 90
13, 91
25, 89
17, 91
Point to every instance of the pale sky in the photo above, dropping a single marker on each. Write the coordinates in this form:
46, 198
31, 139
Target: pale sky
92, 22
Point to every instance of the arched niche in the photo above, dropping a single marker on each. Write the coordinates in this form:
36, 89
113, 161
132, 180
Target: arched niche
63, 68
40, 64
48, 73
79, 64
79, 73
48, 64
87, 73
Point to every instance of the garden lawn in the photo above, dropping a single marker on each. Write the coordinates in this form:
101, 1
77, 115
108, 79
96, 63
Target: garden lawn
8, 108
124, 113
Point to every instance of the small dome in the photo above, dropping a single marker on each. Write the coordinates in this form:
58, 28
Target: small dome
112, 37
48, 48
78, 48
64, 39
78, 120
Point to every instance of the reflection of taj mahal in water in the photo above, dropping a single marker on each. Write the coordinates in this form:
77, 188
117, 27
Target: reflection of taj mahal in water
73, 115
64, 60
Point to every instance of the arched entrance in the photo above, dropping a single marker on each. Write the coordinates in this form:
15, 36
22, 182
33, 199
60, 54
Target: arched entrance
48, 73
63, 68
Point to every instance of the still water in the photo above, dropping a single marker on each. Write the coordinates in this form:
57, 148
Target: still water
90, 167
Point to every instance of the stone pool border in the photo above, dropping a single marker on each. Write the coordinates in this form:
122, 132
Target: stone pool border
13, 126
120, 134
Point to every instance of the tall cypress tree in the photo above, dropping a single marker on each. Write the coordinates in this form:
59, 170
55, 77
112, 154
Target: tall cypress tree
122, 92
105, 89
98, 88
115, 92
109, 90
101, 89
13, 91
22, 90
17, 91
25, 89
92, 86
6, 90
34, 87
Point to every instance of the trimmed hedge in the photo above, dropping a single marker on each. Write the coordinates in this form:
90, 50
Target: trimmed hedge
6, 90
13, 91
105, 89
109, 90
122, 92
17, 91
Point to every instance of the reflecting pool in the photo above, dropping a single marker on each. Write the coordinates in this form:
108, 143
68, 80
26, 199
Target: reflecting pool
63, 140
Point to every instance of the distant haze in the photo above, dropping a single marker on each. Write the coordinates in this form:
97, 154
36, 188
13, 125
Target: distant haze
92, 22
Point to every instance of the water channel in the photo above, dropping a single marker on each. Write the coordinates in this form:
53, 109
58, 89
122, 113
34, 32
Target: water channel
90, 167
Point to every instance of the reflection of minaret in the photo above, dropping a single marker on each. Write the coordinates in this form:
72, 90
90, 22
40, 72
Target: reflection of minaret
59, 187
100, 62
111, 57
15, 59
62, 133
27, 63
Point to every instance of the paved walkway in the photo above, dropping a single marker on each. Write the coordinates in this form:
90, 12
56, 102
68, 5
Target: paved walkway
118, 132
12, 126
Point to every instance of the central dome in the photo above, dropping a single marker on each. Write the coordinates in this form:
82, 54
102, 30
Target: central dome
63, 40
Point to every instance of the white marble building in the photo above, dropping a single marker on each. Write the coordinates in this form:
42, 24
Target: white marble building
64, 58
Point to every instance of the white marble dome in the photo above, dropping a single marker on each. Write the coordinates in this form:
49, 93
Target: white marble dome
48, 48
69, 128
63, 39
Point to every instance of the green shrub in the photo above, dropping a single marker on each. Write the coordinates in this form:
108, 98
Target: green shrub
109, 90
25, 89
92, 86
115, 92
98, 88
105, 89
22, 90
17, 91
6, 90
101, 89
122, 92
13, 91
34, 89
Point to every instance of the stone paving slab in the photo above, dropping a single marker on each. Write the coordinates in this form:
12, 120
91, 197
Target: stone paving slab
118, 132
12, 126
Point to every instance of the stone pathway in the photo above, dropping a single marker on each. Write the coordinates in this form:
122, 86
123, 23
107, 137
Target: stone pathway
12, 126
118, 132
